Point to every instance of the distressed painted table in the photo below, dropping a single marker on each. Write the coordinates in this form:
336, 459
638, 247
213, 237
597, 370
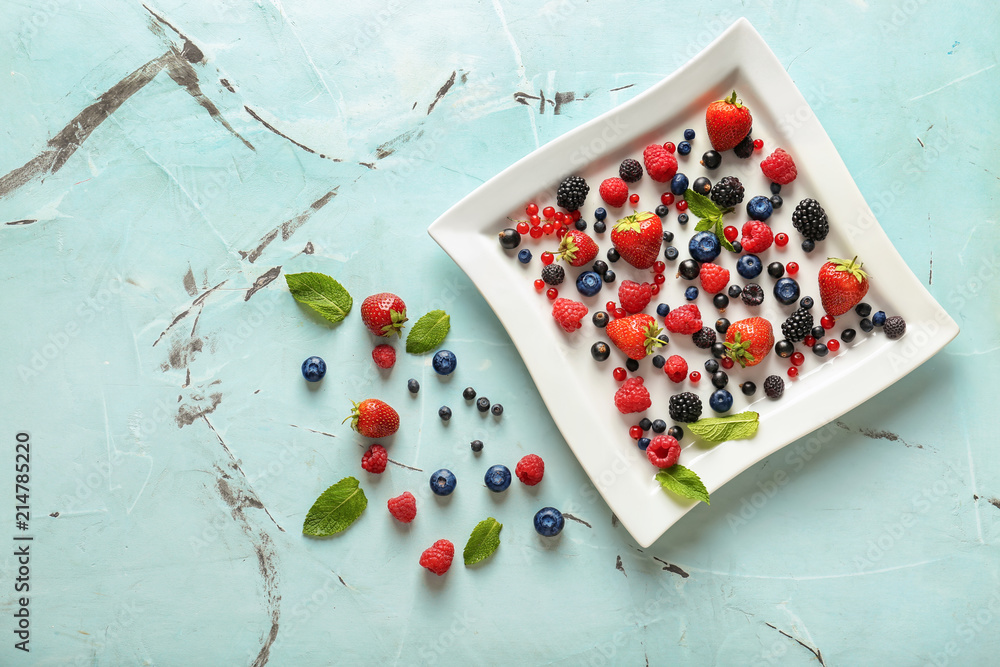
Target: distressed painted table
164, 165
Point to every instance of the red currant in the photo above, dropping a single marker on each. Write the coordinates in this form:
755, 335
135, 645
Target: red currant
781, 240
695, 376
619, 374
682, 205
552, 293
635, 432
620, 312
547, 258
809, 341
531, 209
792, 268
561, 232
798, 358
523, 228
548, 228
575, 215
669, 147
654, 290
559, 217
827, 321
535, 232
758, 144
659, 279
792, 371
548, 212
633, 199
833, 345
659, 267
534, 220
726, 363
667, 198
539, 284
610, 306
731, 233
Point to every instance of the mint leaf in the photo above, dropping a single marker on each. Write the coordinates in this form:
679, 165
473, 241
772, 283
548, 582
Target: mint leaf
683, 482
335, 509
321, 293
734, 427
483, 541
705, 224
700, 205
720, 233
428, 332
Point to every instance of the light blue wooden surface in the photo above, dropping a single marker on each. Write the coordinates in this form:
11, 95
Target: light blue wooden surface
874, 542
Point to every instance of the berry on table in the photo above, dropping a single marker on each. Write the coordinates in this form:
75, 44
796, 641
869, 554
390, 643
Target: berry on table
736, 290
894, 327
643, 443
600, 319
793, 372
685, 407
807, 302
476, 445
682, 218
384, 356
663, 451
374, 459
758, 144
695, 376
775, 188
774, 386
589, 283
683, 148
633, 199
776, 201
691, 293
669, 147
676, 368
635, 432
809, 341
619, 373
847, 335
809, 219
721, 400
689, 134
497, 478
720, 301
630, 170
775, 269
820, 349
786, 291
496, 410
522, 229
549, 522
403, 507
443, 482
600, 351
661, 211
670, 253
632, 396
313, 369
613, 255
711, 365
572, 192
679, 185
444, 412
661, 165
866, 325
720, 379
412, 386
704, 338
752, 294
726, 363
530, 469
792, 268
524, 256
779, 167
659, 426
818, 332
781, 239
676, 432
531, 209
609, 276
437, 558
827, 321
863, 310
719, 352
757, 236
536, 232
797, 326
468, 393
482, 404
509, 239
759, 208
539, 284
683, 320
373, 418
667, 198
645, 424
600, 227
600, 214
731, 233
614, 192
702, 185
658, 361
548, 212
833, 345
553, 274
547, 258
569, 314
798, 359
748, 388
704, 246
744, 149
878, 319
711, 159
633, 296
444, 362
728, 192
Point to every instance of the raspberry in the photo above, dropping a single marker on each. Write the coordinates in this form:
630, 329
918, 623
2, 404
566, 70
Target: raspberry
778, 166
685, 407
530, 469
630, 170
374, 459
663, 451
437, 558
632, 396
634, 297
660, 165
676, 368
384, 356
683, 320
614, 192
572, 192
403, 507
757, 237
714, 278
568, 314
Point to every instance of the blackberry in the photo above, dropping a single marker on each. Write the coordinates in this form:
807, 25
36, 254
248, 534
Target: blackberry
752, 294
728, 192
798, 325
685, 407
630, 170
774, 386
703, 338
553, 274
744, 149
894, 327
809, 219
572, 192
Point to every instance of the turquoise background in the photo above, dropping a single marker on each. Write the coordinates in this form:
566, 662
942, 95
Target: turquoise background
156, 448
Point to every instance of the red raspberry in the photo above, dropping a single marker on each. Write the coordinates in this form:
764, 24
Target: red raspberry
633, 296
683, 320
437, 558
374, 459
779, 167
614, 192
384, 356
714, 278
632, 396
403, 507
757, 236
661, 165
676, 368
530, 469
568, 314
663, 451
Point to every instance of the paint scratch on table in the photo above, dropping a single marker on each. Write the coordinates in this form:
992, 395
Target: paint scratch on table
256, 116
815, 651
670, 567
442, 91
388, 148
263, 281
619, 566
953, 82
288, 227
247, 495
576, 518
197, 303
878, 434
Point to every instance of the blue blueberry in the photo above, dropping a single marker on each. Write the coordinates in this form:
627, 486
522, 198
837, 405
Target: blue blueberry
682, 219
313, 369
689, 134
443, 482
609, 276
580, 224
413, 386
662, 309
691, 293
670, 253
524, 256
679, 184
878, 319
721, 400
659, 426
589, 283
683, 148
600, 227
808, 245
749, 266
444, 412
704, 246
497, 478
786, 290
806, 302
444, 362
549, 522
658, 361
643, 443
600, 214
759, 208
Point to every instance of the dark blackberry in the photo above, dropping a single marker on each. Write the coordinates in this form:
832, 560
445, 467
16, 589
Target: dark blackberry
894, 327
744, 149
572, 192
752, 294
774, 386
685, 407
809, 219
703, 338
553, 274
728, 192
630, 170
798, 325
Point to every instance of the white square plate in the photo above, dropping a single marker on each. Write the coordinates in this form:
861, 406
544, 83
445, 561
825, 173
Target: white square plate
578, 391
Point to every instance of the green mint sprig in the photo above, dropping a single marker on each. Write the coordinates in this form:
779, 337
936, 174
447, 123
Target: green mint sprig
321, 293
734, 427
429, 332
483, 541
684, 482
335, 509
710, 214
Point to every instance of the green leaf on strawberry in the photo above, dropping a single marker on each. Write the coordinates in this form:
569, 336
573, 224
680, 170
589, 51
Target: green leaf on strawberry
684, 482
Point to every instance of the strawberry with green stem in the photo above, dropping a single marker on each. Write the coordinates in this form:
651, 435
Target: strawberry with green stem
637, 238
576, 248
728, 122
373, 418
384, 314
749, 341
635, 335
842, 285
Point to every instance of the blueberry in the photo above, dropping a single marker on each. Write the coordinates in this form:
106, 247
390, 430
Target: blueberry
691, 293
496, 410
847, 335
817, 332
659, 361
775, 188
806, 302
645, 424
668, 236
643, 443
775, 270
600, 227
413, 386
718, 349
675, 432
477, 445
689, 134
682, 219
711, 365
580, 224
444, 412
759, 208
748, 388
808, 245
600, 351
659, 426
444, 362
722, 325
589, 283
866, 325
661, 211
679, 184
662, 309
314, 368
600, 319
776, 202
609, 276
784, 348
737, 247
702, 185
720, 379
711, 159
510, 238
786, 291
524, 256
663, 338
468, 393
689, 269
443, 482
863, 310
599, 267
483, 404
549, 522
600, 214
683, 148
748, 266
878, 319
497, 478
704, 246
670, 253
632, 365
721, 400
720, 301
820, 350
734, 291
613, 255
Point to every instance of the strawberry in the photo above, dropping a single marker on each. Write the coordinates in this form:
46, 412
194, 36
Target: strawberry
778, 166
728, 123
634, 296
660, 165
614, 191
757, 236
384, 314
637, 238
683, 320
842, 285
577, 248
714, 278
749, 341
373, 418
676, 368
568, 314
635, 335
632, 397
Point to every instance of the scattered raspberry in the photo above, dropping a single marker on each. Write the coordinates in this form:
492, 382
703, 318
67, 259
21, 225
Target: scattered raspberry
403, 507
714, 278
384, 356
614, 192
778, 166
633, 296
632, 396
530, 469
660, 164
374, 459
663, 451
676, 368
568, 314
437, 558
683, 320
757, 236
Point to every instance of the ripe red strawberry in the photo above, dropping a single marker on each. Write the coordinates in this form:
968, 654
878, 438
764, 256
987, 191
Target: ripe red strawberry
403, 507
577, 248
714, 278
632, 397
437, 558
614, 191
568, 314
664, 451
635, 335
660, 165
374, 459
779, 167
637, 238
373, 418
842, 285
757, 236
633, 296
384, 314
749, 341
683, 320
728, 123
676, 368
384, 356
530, 469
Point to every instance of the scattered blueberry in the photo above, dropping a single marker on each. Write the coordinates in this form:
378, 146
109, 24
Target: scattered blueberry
413, 386
689, 134
496, 410
483, 404
600, 227
682, 219
668, 236
314, 368
711, 365
806, 302
645, 424
643, 443
720, 301
599, 267
497, 478
863, 310
580, 224
609, 276
589, 283
866, 325
600, 214
613, 255
443, 482
663, 338
691, 293
786, 291
847, 335
549, 522
659, 426
775, 188
632, 365
675, 432
748, 266
661, 211
704, 246
737, 247
600, 351
600, 319
662, 309
734, 291
808, 245
721, 400
878, 319
670, 253
711, 159
683, 148
817, 332
775, 270
759, 208
679, 184
444, 362
468, 393
659, 361
477, 445
776, 202
820, 350
444, 412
